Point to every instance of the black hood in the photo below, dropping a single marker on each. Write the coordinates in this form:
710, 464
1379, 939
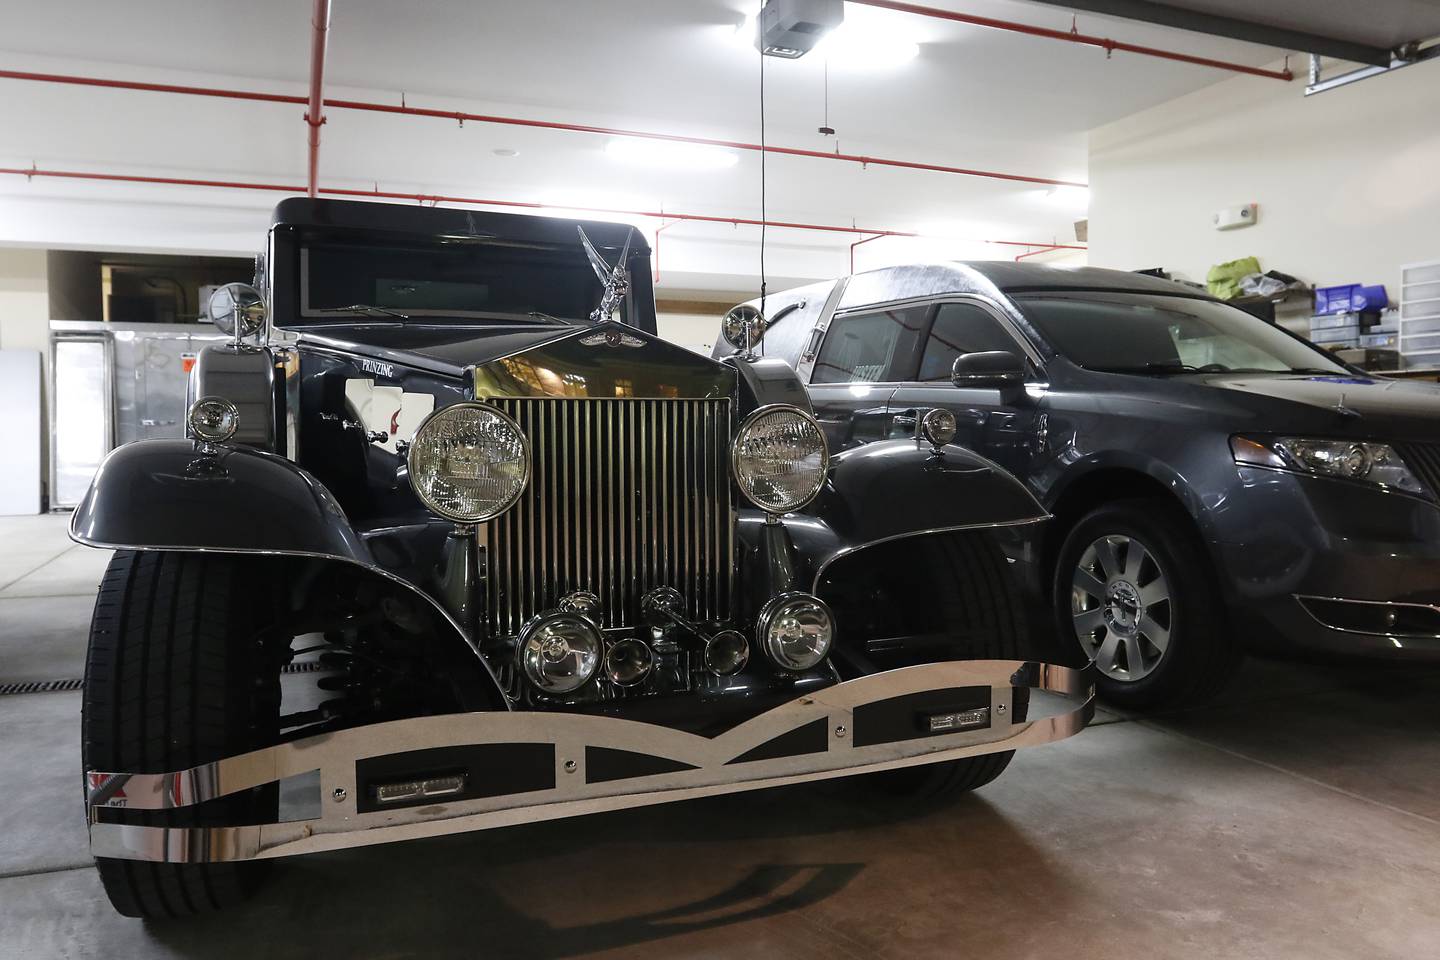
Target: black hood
595, 360
440, 348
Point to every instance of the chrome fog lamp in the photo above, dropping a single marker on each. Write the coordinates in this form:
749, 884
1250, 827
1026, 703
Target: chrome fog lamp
780, 458
628, 662
727, 652
795, 630
938, 427
559, 652
469, 462
213, 419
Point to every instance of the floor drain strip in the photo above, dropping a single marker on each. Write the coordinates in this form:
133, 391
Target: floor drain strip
39, 686
60, 686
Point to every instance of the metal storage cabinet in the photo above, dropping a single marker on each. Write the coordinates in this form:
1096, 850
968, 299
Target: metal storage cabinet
114, 383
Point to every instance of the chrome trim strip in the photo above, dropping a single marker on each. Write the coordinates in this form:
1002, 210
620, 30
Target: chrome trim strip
341, 825
1301, 597
855, 548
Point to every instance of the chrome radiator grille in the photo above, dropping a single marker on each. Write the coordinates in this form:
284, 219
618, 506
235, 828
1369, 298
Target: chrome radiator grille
624, 496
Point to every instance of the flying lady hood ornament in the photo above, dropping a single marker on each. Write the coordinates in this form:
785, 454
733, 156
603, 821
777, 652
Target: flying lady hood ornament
615, 279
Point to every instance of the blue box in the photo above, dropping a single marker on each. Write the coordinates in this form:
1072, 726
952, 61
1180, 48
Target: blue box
1350, 297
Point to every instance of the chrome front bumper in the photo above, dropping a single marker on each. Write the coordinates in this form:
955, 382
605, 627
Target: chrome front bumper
588, 764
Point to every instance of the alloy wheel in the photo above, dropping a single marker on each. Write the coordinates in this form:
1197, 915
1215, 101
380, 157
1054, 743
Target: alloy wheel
1120, 603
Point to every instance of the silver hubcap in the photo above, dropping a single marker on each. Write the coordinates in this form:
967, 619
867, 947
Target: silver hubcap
1120, 602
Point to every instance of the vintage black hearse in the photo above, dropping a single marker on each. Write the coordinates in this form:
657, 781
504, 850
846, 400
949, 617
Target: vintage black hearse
540, 562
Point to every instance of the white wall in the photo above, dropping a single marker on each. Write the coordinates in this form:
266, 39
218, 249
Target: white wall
693, 331
1348, 181
25, 325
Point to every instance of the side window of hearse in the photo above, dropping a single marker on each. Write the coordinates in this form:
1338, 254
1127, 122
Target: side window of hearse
961, 328
870, 347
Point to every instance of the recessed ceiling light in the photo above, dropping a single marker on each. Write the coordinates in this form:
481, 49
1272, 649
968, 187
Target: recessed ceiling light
505, 152
671, 154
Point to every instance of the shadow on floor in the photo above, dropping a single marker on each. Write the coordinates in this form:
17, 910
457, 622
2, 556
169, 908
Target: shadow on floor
605, 882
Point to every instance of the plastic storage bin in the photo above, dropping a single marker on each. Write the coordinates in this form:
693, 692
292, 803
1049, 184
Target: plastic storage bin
1350, 297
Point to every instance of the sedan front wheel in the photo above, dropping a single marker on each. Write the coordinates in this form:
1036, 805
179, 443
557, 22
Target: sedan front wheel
1134, 588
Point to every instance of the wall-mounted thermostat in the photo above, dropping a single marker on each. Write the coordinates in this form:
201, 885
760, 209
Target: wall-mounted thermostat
1232, 217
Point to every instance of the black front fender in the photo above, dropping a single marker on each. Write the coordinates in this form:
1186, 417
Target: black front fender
896, 488
178, 495
877, 493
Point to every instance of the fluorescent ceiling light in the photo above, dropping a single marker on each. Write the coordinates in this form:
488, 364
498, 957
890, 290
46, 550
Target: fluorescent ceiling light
671, 154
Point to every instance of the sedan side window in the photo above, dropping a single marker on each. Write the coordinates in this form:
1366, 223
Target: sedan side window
870, 347
961, 328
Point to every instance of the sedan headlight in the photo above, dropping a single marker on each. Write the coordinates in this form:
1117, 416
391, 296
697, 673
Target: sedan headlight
1376, 463
469, 462
780, 458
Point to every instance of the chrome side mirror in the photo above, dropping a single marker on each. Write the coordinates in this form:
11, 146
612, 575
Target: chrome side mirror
988, 370
238, 309
742, 328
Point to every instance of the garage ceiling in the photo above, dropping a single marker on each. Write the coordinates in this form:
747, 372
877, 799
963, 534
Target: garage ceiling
971, 97
1332, 25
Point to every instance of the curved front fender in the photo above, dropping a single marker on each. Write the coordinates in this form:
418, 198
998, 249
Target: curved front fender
179, 495
175, 494
895, 488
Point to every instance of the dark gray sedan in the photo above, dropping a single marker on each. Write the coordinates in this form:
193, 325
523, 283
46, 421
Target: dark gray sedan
1211, 476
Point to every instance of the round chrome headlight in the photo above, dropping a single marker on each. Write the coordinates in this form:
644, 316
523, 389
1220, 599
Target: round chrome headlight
469, 462
780, 458
559, 652
213, 419
795, 630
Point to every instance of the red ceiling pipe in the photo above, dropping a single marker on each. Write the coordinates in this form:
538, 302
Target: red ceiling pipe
31, 172
462, 116
1074, 36
856, 244
315, 108
1048, 248
862, 159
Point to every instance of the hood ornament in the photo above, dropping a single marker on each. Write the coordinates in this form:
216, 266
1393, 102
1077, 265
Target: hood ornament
616, 279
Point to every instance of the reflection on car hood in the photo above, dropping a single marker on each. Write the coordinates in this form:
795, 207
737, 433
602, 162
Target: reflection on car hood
595, 360
1340, 403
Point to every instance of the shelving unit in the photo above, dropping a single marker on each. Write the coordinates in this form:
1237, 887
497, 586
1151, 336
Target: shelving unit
1420, 314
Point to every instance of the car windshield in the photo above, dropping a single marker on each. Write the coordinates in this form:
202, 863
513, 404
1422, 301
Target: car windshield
449, 279
1158, 334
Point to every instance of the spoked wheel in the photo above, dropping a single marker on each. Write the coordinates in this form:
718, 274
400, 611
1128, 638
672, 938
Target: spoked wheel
1134, 588
1120, 605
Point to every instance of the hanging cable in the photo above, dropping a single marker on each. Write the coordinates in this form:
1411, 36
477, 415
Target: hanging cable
763, 218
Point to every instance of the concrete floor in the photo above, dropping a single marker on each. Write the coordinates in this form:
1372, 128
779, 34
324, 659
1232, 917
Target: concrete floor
1299, 817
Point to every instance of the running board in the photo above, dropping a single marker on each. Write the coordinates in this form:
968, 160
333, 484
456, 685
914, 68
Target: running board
449, 774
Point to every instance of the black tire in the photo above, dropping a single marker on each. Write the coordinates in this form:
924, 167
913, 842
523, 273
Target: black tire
1201, 652
175, 676
989, 612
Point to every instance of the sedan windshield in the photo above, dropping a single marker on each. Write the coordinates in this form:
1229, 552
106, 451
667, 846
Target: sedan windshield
1157, 334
